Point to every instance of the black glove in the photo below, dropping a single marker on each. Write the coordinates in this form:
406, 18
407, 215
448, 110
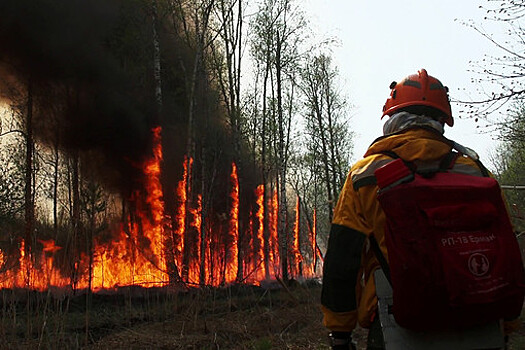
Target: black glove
341, 341
348, 346
342, 347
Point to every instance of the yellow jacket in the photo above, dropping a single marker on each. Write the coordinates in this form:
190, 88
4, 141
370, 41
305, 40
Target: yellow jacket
348, 294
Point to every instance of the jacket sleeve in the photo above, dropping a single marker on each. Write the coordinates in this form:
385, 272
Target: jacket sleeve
340, 273
342, 268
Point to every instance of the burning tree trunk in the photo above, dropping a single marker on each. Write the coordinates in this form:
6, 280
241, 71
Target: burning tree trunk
260, 246
180, 217
231, 35
56, 163
283, 223
316, 250
296, 242
266, 224
232, 248
169, 241
185, 233
29, 199
29, 203
203, 241
201, 16
75, 219
94, 204
206, 201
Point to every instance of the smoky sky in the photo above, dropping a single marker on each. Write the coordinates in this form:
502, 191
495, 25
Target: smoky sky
88, 64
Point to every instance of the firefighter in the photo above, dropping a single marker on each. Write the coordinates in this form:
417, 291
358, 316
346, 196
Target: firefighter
418, 109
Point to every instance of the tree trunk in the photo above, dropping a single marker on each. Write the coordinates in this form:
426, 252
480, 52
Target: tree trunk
200, 32
283, 229
325, 159
204, 221
266, 229
89, 247
56, 164
29, 203
29, 199
156, 62
75, 183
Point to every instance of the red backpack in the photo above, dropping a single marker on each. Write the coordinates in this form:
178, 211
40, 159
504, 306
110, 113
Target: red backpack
454, 260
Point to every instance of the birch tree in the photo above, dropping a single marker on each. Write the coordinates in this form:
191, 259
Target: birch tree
279, 28
327, 125
29, 195
227, 69
500, 77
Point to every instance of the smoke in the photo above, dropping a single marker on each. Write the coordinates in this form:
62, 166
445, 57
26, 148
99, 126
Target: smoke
89, 80
89, 65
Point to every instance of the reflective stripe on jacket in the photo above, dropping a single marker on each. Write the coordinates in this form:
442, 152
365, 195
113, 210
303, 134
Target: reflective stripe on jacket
348, 294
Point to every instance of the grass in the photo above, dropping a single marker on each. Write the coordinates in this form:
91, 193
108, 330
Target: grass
237, 317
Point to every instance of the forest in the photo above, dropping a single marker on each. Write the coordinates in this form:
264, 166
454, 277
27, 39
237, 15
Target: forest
156, 154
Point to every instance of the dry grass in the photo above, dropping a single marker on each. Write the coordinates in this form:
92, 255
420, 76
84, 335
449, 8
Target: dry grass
244, 319
239, 317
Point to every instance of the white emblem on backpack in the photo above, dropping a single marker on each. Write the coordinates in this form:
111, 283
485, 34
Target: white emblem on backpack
478, 264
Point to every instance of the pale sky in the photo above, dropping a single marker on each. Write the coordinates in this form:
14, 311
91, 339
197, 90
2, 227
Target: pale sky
381, 41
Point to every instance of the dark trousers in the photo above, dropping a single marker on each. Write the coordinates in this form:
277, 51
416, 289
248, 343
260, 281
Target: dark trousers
376, 341
375, 336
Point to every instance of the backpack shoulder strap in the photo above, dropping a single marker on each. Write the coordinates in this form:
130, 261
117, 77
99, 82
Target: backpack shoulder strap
448, 161
380, 257
472, 155
482, 168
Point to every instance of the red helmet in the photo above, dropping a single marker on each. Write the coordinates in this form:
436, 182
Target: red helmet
419, 89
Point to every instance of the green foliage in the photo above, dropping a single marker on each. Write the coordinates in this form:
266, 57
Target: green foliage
325, 157
511, 164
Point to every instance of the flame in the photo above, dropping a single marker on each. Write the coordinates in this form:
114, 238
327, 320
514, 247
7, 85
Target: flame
49, 246
181, 212
138, 254
249, 258
232, 250
273, 217
194, 268
314, 244
296, 252
259, 267
129, 260
25, 267
211, 274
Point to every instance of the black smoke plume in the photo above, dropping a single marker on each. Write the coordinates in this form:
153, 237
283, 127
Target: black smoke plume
88, 64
